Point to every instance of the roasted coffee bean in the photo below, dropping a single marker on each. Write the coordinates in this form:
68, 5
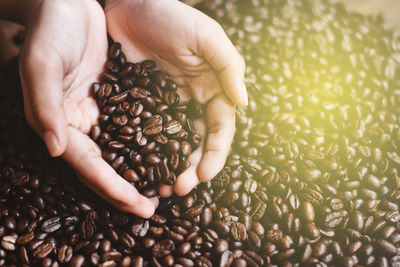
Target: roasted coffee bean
104, 91
307, 212
386, 248
8, 242
140, 227
42, 251
172, 127
139, 93
51, 225
65, 254
115, 51
153, 125
77, 261
163, 248
185, 148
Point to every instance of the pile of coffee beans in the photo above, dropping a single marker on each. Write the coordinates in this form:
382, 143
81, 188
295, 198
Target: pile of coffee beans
312, 179
145, 133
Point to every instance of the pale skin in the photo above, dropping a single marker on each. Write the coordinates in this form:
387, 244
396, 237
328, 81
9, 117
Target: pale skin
65, 51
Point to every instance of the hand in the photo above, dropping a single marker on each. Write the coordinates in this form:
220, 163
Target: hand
65, 51
194, 50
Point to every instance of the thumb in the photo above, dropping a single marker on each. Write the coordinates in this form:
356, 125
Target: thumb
42, 81
223, 57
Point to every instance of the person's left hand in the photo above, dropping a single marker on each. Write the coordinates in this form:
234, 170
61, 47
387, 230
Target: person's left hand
194, 50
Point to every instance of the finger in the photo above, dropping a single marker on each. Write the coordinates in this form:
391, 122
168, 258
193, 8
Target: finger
220, 53
42, 76
188, 179
221, 129
85, 157
165, 190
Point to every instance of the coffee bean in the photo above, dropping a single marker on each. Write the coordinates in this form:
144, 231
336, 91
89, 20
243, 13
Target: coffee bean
65, 254
172, 127
42, 251
386, 248
115, 51
8, 242
153, 125
105, 91
140, 227
307, 211
185, 148
333, 219
77, 261
51, 225
25, 239
139, 93
163, 248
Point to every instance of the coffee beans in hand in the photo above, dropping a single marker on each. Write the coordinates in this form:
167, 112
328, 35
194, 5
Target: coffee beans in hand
146, 134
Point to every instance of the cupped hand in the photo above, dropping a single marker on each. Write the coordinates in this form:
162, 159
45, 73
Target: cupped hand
194, 50
64, 52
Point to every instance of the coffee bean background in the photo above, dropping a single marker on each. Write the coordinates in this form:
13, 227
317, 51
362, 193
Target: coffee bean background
312, 179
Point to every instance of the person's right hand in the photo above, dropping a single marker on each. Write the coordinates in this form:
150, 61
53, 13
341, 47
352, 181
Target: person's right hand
64, 52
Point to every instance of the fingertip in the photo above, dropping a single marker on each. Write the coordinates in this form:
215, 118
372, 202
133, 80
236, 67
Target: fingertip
185, 183
210, 165
53, 144
165, 190
244, 101
155, 201
143, 207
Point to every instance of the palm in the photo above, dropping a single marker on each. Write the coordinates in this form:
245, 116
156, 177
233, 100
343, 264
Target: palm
166, 31
76, 56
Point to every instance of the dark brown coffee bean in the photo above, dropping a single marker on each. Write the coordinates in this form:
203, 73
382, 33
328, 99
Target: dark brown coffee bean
120, 120
95, 132
153, 159
386, 248
185, 148
139, 93
8, 242
140, 139
65, 254
140, 227
172, 146
163, 248
128, 82
104, 91
311, 231
111, 66
109, 110
25, 239
153, 125
111, 256
115, 51
118, 98
51, 225
172, 127
333, 219
77, 261
42, 251
307, 212
319, 249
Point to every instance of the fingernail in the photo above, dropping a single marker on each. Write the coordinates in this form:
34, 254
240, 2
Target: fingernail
52, 143
245, 98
